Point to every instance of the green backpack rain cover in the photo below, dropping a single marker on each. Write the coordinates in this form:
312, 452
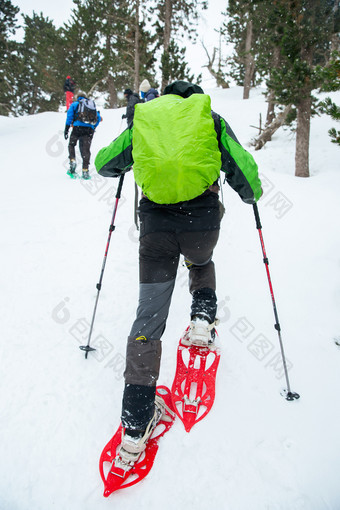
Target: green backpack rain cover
175, 149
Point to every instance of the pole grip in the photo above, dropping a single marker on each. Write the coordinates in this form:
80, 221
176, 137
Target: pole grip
257, 217
120, 185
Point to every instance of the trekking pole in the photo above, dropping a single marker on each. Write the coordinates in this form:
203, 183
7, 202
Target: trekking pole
87, 347
135, 214
120, 128
289, 394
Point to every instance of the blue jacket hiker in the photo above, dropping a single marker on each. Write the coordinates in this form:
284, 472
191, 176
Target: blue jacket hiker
83, 116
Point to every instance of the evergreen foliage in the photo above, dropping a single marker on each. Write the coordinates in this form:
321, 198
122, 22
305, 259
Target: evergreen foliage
305, 29
38, 76
234, 30
8, 56
330, 76
288, 43
106, 46
173, 65
291, 43
175, 18
110, 45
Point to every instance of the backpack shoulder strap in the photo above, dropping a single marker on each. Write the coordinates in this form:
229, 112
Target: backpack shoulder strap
217, 124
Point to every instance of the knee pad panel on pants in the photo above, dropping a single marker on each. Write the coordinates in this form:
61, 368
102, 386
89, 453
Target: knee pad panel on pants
142, 361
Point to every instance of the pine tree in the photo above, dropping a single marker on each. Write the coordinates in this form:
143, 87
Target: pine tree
330, 77
108, 46
83, 47
175, 17
242, 29
139, 43
307, 28
8, 57
293, 42
38, 76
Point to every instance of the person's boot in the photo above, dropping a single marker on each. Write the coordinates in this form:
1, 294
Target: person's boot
134, 441
86, 174
201, 333
72, 170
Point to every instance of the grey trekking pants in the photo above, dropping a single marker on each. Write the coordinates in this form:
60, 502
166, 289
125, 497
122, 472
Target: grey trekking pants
188, 228
159, 255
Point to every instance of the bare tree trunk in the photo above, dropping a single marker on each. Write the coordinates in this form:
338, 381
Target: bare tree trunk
137, 56
335, 43
271, 95
112, 92
304, 110
109, 79
270, 109
249, 61
167, 35
167, 24
4, 105
32, 109
266, 135
302, 137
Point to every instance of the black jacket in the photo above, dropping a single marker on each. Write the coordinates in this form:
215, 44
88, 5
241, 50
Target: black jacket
69, 85
132, 100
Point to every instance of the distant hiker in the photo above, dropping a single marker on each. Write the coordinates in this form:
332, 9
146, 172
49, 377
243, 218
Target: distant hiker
132, 99
179, 148
84, 118
147, 92
69, 87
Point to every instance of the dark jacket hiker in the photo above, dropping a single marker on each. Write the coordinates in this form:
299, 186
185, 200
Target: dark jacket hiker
69, 88
132, 99
69, 85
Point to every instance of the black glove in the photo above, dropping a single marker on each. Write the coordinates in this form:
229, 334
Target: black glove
124, 116
66, 132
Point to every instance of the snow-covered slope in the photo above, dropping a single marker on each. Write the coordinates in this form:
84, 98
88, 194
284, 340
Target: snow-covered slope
254, 450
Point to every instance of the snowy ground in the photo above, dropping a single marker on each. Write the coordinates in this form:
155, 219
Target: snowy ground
254, 450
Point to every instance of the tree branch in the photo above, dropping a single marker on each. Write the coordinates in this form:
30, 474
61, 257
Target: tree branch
220, 81
95, 85
270, 130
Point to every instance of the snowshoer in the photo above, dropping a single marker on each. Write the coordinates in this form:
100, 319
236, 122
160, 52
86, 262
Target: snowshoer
69, 87
177, 147
147, 92
84, 118
132, 99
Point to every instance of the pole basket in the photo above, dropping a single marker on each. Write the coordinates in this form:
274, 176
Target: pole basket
290, 395
87, 349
